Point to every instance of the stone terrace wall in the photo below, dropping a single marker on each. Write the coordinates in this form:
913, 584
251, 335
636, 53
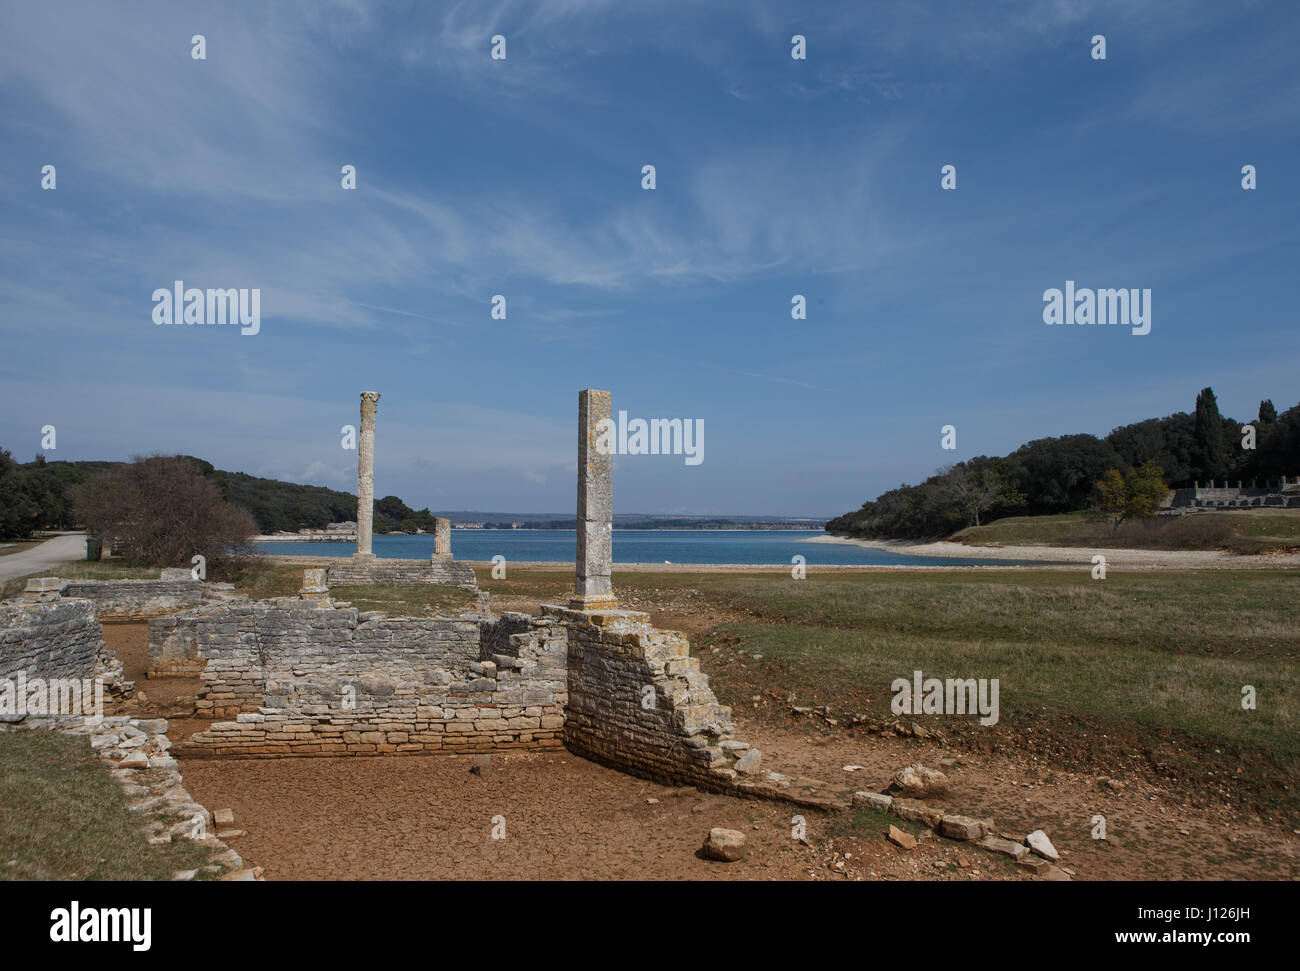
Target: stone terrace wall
445, 571
141, 599
303, 677
685, 736
55, 639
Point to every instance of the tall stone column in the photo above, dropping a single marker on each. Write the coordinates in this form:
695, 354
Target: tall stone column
366, 475
441, 538
594, 590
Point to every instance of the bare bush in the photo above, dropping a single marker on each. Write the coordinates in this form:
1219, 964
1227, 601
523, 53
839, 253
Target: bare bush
161, 511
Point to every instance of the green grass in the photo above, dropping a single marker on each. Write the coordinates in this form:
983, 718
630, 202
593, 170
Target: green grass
1239, 531
1022, 530
1143, 667
62, 817
17, 546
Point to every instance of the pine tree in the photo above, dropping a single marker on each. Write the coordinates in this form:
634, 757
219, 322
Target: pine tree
1267, 413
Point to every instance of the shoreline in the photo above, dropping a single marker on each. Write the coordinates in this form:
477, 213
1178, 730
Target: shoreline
815, 569
1075, 556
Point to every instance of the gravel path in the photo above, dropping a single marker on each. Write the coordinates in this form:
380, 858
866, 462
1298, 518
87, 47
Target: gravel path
47, 556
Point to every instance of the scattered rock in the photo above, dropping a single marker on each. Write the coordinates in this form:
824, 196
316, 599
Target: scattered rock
875, 800
230, 834
995, 844
852, 768
185, 874
1114, 785
917, 781
1033, 864
240, 876
224, 817
135, 760
482, 763
1040, 844
917, 814
747, 764
727, 845
1054, 873
901, 839
962, 828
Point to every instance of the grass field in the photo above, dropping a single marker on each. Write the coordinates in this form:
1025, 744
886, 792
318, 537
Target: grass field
17, 546
62, 817
1145, 667
1238, 530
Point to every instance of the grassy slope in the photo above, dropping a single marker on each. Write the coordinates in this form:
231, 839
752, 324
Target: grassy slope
1262, 528
63, 818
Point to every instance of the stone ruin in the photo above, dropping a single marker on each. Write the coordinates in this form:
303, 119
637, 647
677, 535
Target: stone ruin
306, 676
1281, 493
365, 568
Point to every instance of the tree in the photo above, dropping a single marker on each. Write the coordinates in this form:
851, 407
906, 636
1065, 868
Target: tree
1110, 498
162, 511
1211, 444
1136, 495
1267, 413
976, 487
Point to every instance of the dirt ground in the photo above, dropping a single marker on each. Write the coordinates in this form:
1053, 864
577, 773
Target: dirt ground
429, 817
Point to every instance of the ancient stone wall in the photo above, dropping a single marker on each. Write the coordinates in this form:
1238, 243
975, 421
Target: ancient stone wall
57, 638
303, 677
639, 702
135, 599
173, 646
403, 572
132, 599
54, 639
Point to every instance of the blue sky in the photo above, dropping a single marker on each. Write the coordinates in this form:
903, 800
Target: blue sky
522, 177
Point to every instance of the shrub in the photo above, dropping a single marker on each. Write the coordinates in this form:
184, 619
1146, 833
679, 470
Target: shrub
161, 511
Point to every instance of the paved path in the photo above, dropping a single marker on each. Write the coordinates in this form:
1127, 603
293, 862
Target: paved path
38, 559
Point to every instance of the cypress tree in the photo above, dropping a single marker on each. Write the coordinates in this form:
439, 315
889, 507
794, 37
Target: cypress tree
1210, 446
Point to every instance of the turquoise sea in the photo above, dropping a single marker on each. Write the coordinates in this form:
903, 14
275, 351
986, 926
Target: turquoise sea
748, 547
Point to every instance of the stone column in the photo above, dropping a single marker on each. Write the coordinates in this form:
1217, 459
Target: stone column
594, 589
366, 474
441, 537
314, 586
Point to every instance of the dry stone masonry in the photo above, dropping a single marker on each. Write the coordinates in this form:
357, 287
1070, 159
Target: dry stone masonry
442, 570
52, 639
302, 677
127, 600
